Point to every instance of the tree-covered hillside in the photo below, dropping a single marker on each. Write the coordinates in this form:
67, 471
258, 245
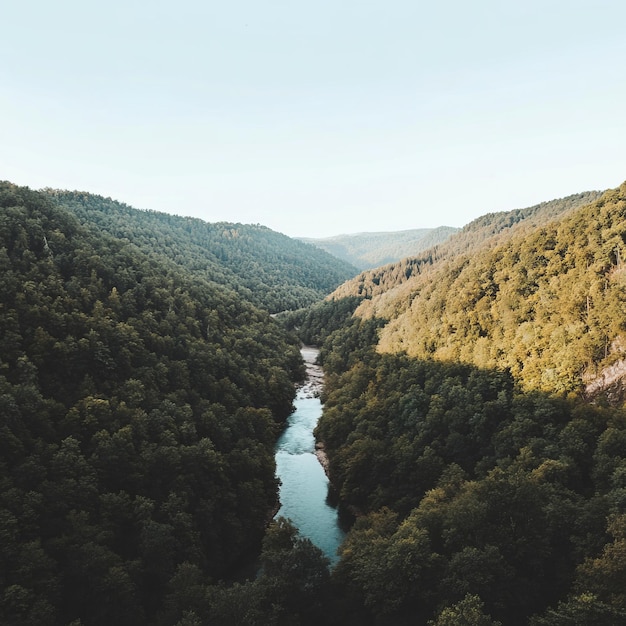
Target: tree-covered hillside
472, 496
474, 422
547, 304
369, 250
488, 230
486, 479
264, 267
139, 406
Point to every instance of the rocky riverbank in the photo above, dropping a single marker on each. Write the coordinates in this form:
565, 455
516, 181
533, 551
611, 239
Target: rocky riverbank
314, 381
320, 453
312, 388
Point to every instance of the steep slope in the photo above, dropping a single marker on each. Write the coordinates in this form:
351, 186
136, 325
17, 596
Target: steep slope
266, 268
486, 231
460, 432
545, 304
139, 408
369, 250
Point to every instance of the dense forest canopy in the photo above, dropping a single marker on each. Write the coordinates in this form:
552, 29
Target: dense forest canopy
474, 421
486, 231
486, 479
264, 267
472, 495
139, 406
547, 305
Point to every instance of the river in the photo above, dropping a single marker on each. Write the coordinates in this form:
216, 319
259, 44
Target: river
304, 484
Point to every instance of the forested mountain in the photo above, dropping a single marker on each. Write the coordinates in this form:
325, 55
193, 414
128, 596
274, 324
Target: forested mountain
139, 407
474, 421
264, 267
546, 304
486, 231
369, 250
488, 482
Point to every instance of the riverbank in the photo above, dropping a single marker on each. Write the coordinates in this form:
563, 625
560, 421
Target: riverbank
314, 380
322, 457
312, 388
307, 400
305, 489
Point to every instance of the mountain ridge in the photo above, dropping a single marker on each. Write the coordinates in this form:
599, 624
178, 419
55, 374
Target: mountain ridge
474, 420
267, 268
487, 230
366, 250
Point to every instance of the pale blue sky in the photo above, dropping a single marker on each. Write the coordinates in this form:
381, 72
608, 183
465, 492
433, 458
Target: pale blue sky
315, 118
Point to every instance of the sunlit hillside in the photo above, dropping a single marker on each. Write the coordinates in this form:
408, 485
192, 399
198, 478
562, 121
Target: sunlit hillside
475, 425
484, 232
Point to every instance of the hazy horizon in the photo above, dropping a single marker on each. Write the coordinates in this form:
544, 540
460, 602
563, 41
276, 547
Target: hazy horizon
316, 120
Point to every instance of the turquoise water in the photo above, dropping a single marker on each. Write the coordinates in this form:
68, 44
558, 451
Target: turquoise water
304, 490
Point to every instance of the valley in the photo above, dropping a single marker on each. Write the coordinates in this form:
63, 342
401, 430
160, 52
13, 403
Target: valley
471, 417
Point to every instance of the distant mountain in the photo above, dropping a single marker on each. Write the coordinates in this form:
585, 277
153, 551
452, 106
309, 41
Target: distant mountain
266, 268
369, 250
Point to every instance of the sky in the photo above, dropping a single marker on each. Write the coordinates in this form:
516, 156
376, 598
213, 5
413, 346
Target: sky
315, 118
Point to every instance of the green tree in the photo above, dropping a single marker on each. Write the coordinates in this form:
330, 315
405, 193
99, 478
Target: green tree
467, 612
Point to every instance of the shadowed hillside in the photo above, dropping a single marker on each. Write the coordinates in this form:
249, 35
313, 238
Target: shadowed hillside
139, 406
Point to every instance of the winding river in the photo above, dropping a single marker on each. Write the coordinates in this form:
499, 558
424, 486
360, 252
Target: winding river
304, 484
